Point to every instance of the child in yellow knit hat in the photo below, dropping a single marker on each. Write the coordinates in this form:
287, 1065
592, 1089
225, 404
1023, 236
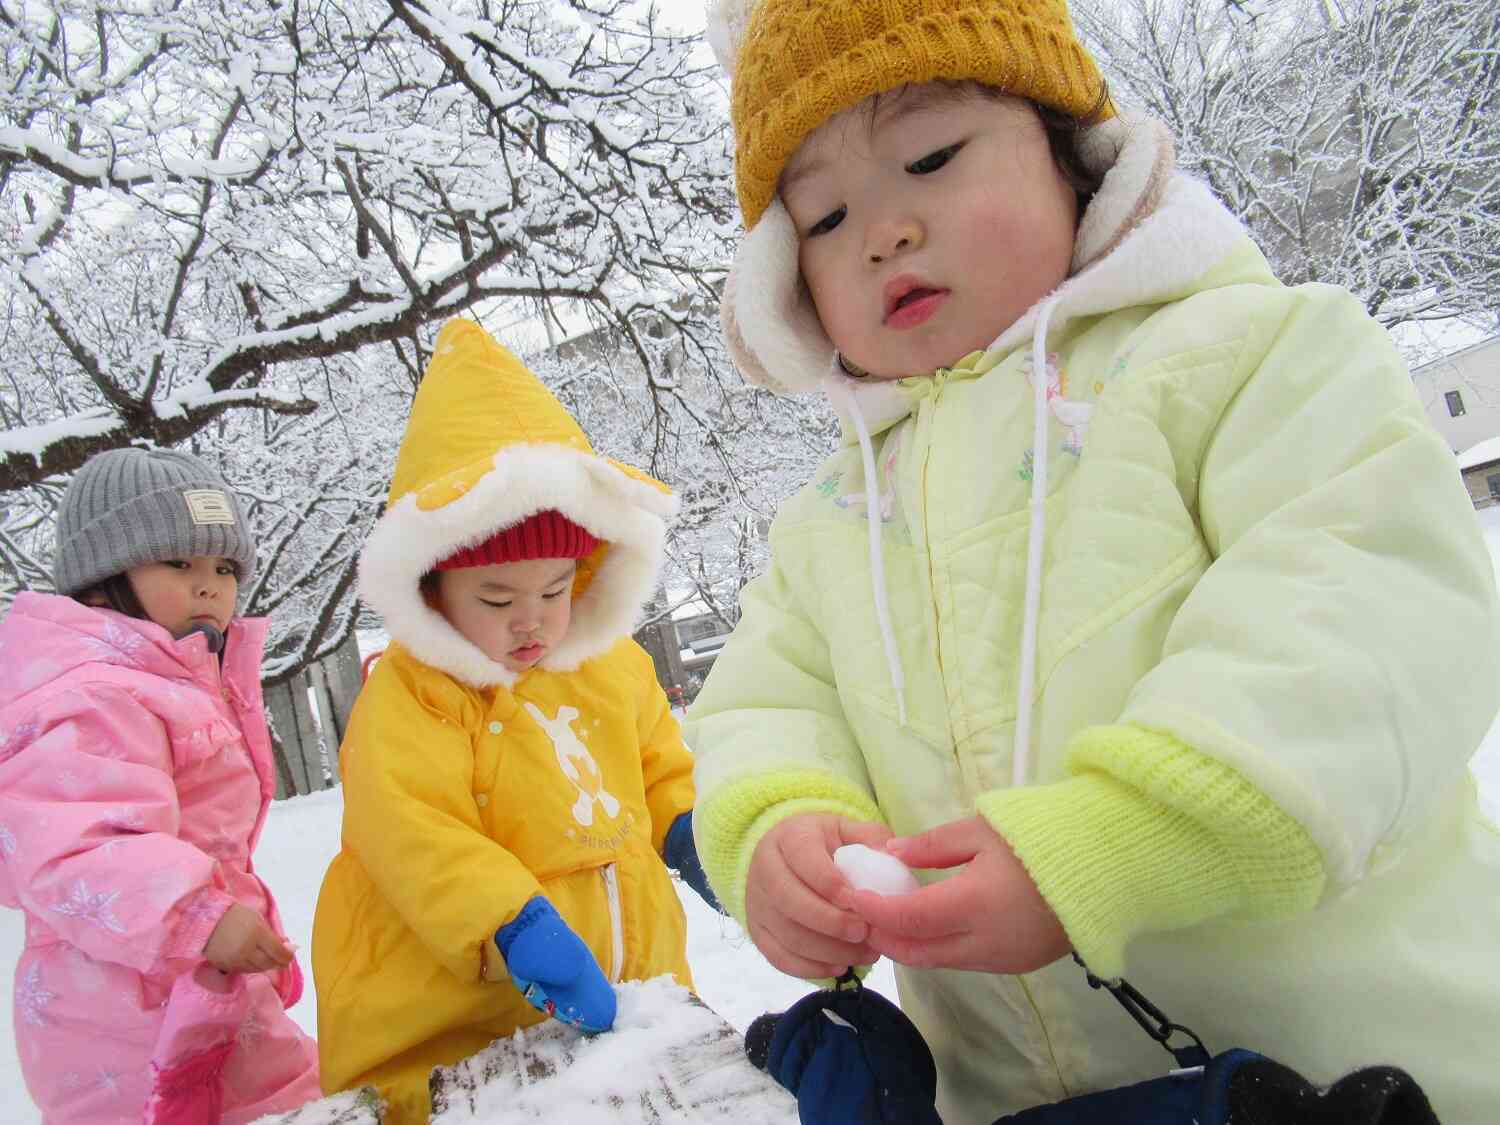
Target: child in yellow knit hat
1141, 608
515, 784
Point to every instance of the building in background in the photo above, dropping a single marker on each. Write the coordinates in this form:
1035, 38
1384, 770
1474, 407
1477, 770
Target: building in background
701, 634
1480, 466
1461, 392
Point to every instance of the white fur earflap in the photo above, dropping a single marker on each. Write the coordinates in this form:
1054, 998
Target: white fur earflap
770, 325
727, 20
1137, 157
408, 541
1155, 233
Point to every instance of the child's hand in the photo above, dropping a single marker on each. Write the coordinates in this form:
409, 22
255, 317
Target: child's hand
792, 891
987, 918
242, 942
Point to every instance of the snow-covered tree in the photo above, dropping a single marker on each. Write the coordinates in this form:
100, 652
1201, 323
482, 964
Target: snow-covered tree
731, 451
236, 227
1356, 138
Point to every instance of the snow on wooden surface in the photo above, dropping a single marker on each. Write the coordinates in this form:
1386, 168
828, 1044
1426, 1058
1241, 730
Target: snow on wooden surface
353, 1107
669, 1059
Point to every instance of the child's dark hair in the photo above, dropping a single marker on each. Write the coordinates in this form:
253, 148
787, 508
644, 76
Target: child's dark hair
427, 586
1064, 132
116, 593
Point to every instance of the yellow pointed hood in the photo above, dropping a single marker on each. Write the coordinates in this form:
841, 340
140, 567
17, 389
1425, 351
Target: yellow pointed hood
487, 445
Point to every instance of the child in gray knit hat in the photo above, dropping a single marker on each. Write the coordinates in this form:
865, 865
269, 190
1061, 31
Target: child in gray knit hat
135, 771
154, 534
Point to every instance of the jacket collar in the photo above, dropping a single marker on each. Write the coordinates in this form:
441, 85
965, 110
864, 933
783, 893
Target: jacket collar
61, 634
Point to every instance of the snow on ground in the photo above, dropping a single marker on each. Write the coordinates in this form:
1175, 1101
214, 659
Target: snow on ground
302, 836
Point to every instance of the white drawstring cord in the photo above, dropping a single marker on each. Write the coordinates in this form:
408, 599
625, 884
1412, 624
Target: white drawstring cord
1035, 542
877, 559
1036, 538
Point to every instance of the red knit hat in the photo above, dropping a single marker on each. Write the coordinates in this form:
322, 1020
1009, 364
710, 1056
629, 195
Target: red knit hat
546, 535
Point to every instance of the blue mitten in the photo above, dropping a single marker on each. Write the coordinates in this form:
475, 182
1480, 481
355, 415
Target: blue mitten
680, 853
554, 970
851, 1057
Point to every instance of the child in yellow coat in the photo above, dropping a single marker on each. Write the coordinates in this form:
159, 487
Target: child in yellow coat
513, 775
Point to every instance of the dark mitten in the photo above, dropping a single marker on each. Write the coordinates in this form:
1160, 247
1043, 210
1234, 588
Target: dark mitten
1263, 1092
852, 1058
758, 1039
680, 853
554, 970
1242, 1088
1168, 1100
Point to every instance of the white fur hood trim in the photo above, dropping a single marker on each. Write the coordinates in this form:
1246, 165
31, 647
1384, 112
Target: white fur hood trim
725, 22
628, 514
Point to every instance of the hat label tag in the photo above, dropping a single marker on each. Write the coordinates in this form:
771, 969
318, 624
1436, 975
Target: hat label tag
208, 505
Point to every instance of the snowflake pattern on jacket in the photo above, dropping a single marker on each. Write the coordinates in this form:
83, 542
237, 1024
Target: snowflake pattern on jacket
135, 774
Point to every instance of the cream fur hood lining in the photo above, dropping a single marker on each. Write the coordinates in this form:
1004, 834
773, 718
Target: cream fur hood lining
408, 541
1148, 231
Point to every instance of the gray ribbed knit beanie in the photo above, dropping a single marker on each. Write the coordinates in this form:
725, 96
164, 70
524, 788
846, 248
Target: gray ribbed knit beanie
128, 507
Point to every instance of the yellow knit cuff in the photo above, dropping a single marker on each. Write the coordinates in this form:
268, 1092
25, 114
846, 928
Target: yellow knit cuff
729, 824
1150, 835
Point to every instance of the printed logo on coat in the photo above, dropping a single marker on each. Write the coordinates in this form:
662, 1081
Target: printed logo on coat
577, 764
1072, 414
208, 505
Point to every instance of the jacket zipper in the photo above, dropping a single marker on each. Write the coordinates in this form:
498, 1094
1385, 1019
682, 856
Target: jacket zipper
616, 922
232, 705
928, 408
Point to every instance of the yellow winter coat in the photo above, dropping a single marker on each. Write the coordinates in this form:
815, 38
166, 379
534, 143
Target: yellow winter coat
469, 789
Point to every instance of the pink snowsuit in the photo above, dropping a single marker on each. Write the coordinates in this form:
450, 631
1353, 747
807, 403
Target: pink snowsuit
135, 776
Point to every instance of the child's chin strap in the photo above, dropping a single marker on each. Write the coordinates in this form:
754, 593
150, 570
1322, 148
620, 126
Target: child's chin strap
839, 385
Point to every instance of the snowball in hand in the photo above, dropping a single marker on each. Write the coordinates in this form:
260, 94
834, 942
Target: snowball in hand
870, 870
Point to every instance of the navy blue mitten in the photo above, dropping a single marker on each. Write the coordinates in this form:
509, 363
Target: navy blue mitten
554, 970
681, 853
851, 1057
1240, 1087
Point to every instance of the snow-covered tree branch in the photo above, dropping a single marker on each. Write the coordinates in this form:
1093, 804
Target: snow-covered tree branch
237, 227
1357, 139
198, 197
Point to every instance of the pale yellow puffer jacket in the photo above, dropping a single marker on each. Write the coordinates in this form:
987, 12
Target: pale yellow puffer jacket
1260, 564
469, 789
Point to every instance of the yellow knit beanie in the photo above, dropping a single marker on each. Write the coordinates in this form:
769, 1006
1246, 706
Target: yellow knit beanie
799, 62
